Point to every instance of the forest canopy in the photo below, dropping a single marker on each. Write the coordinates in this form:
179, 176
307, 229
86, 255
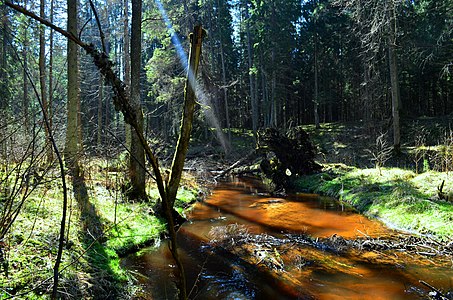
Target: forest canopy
265, 64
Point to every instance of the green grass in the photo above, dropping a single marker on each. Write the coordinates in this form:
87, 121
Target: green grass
89, 265
400, 198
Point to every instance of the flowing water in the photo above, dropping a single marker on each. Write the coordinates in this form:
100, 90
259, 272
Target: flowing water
262, 257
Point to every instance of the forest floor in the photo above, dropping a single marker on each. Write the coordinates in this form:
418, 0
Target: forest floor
99, 232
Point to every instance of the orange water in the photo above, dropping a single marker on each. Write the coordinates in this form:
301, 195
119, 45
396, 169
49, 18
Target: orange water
354, 275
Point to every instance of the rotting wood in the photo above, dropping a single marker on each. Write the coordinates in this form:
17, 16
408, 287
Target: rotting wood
235, 165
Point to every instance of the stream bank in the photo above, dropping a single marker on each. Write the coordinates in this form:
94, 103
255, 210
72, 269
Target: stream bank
400, 198
242, 244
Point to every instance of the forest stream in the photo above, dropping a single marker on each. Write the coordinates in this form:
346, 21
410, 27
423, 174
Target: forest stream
241, 243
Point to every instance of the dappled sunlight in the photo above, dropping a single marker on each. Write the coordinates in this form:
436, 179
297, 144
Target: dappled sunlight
296, 215
299, 246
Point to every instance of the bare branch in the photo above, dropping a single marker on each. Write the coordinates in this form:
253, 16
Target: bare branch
101, 33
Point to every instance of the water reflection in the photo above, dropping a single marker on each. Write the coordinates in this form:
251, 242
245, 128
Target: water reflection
235, 268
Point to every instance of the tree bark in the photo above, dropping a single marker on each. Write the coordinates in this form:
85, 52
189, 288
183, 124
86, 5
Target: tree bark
224, 82
42, 76
137, 158
99, 114
177, 166
71, 131
25, 100
127, 63
393, 66
51, 45
274, 104
316, 96
72, 143
253, 95
3, 90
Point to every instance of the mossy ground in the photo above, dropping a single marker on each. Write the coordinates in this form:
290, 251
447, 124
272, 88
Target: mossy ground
404, 194
109, 227
400, 198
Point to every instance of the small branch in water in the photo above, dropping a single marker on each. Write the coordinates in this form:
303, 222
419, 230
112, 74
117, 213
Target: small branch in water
435, 294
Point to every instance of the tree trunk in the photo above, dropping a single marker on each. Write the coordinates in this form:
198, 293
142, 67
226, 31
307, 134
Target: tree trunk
127, 63
25, 100
393, 66
42, 76
172, 185
253, 96
273, 122
267, 115
224, 82
99, 114
316, 97
72, 142
3, 78
137, 159
51, 45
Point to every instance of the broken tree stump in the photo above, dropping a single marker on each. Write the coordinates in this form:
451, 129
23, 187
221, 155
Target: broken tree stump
286, 154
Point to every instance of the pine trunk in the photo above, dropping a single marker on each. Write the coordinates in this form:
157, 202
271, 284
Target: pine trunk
253, 96
51, 45
393, 66
72, 142
316, 97
127, 63
42, 77
137, 159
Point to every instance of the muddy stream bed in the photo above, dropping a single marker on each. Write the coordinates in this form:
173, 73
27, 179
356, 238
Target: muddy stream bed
241, 244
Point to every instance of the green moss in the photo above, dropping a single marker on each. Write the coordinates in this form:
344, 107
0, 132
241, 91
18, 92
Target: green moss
399, 197
122, 226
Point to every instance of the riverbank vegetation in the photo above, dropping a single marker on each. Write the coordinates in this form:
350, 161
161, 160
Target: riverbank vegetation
108, 228
409, 191
400, 198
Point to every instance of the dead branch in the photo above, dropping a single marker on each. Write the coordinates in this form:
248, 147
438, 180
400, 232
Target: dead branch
237, 163
98, 22
441, 194
436, 294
